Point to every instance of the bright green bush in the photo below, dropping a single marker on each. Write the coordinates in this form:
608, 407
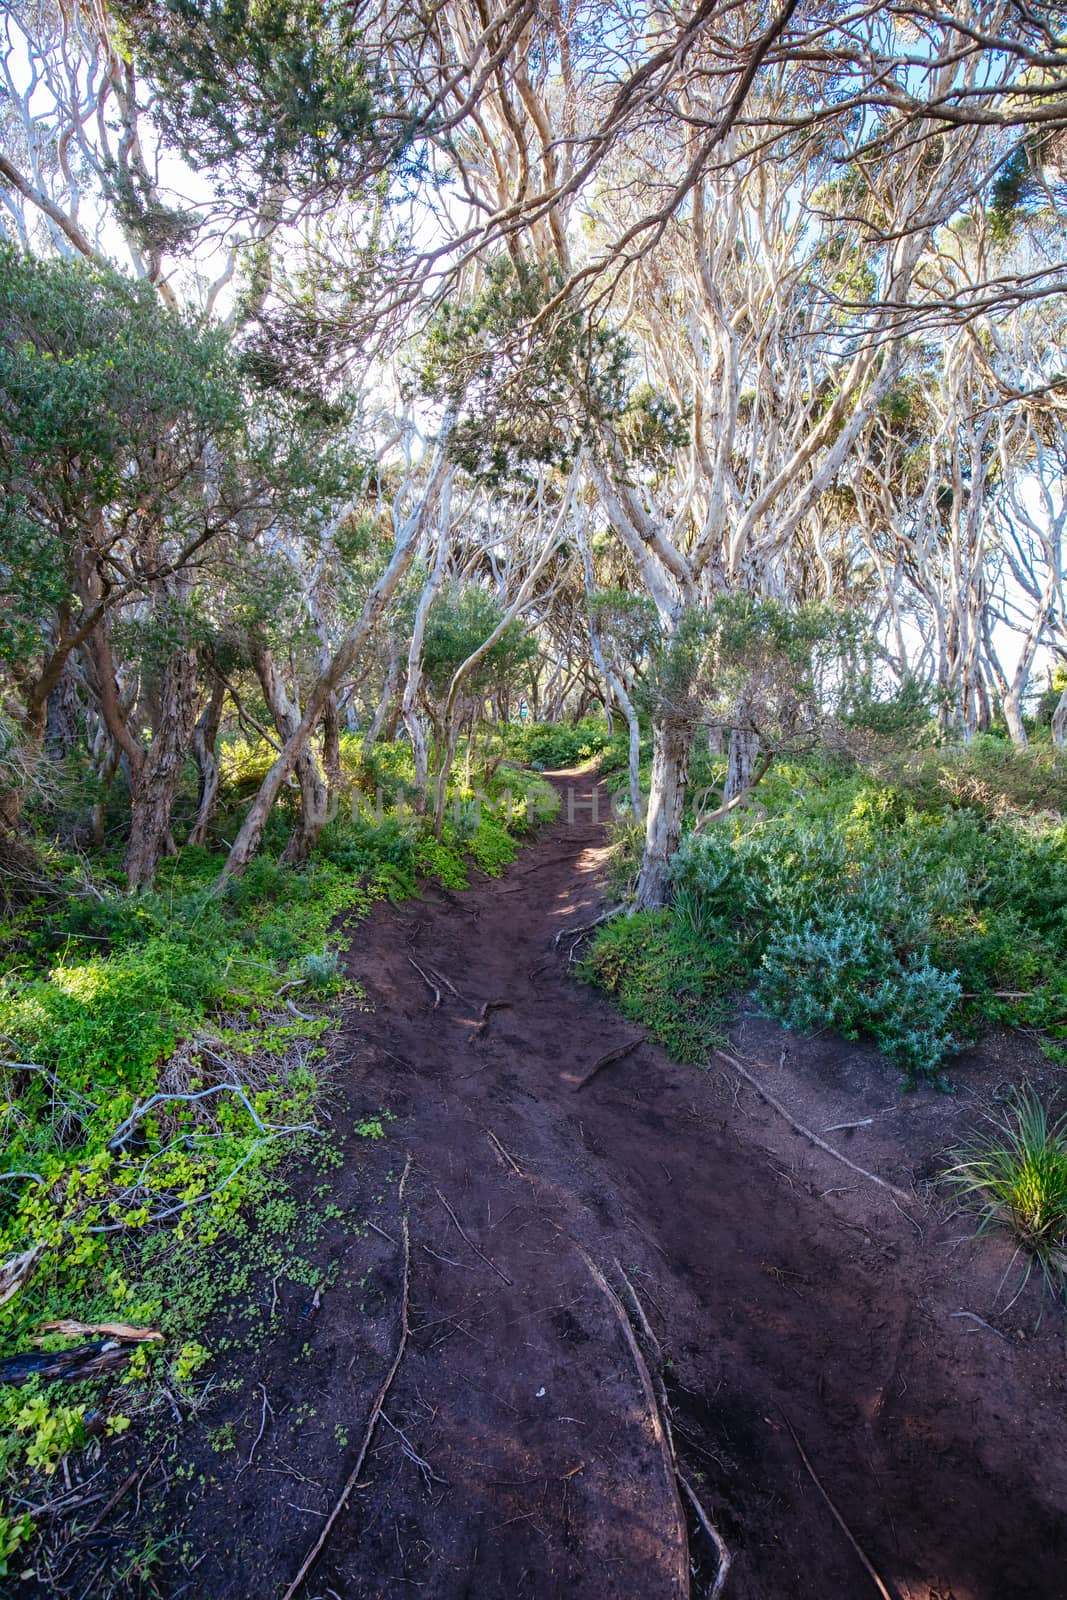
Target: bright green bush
663, 978
553, 745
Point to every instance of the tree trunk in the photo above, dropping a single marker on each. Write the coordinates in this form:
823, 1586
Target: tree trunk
155, 778
331, 748
63, 716
744, 747
1014, 718
314, 796
385, 704
1059, 722
415, 723
672, 739
250, 833
205, 734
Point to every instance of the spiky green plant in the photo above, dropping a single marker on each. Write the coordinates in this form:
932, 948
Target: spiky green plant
1016, 1174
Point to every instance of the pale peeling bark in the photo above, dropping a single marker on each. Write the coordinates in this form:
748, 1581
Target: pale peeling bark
672, 740
250, 833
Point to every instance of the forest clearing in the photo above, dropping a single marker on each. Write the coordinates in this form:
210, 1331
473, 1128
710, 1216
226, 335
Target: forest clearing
533, 800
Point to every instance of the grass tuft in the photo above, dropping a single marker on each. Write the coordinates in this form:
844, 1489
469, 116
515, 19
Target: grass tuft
1016, 1175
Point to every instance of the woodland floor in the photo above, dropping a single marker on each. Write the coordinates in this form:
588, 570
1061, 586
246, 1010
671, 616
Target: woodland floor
518, 1457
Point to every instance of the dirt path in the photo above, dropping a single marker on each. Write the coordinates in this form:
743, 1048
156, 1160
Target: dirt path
518, 1457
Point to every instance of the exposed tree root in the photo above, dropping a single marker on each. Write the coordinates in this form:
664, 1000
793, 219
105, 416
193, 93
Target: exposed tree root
605, 1061
501, 1274
838, 1518
722, 1551
427, 980
489, 1007
806, 1133
580, 928
376, 1411
680, 1540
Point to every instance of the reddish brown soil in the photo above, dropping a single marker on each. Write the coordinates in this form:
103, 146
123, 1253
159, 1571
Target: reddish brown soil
518, 1458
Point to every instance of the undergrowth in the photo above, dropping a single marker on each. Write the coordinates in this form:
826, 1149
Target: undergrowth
908, 907
164, 1056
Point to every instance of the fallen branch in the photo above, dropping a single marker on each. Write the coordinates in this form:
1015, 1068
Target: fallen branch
659, 1429
605, 1061
806, 1133
66, 1366
838, 1518
376, 1411
469, 1241
427, 980
71, 1329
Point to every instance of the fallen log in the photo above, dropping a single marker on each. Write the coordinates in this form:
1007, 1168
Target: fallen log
66, 1366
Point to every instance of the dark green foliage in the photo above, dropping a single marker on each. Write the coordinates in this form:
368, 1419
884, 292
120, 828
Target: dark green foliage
460, 620
522, 397
276, 91
107, 400
553, 745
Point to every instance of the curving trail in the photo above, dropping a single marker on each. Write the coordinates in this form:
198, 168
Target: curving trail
517, 1453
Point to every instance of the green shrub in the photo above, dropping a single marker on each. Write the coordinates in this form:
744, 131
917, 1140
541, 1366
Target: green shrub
844, 902
553, 745
663, 979
847, 976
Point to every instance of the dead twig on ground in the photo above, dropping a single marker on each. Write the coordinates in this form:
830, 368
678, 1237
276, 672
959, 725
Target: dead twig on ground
262, 1427
449, 985
501, 1274
426, 1472
512, 1163
427, 980
376, 1411
139, 1473
606, 1060
838, 1518
806, 1133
